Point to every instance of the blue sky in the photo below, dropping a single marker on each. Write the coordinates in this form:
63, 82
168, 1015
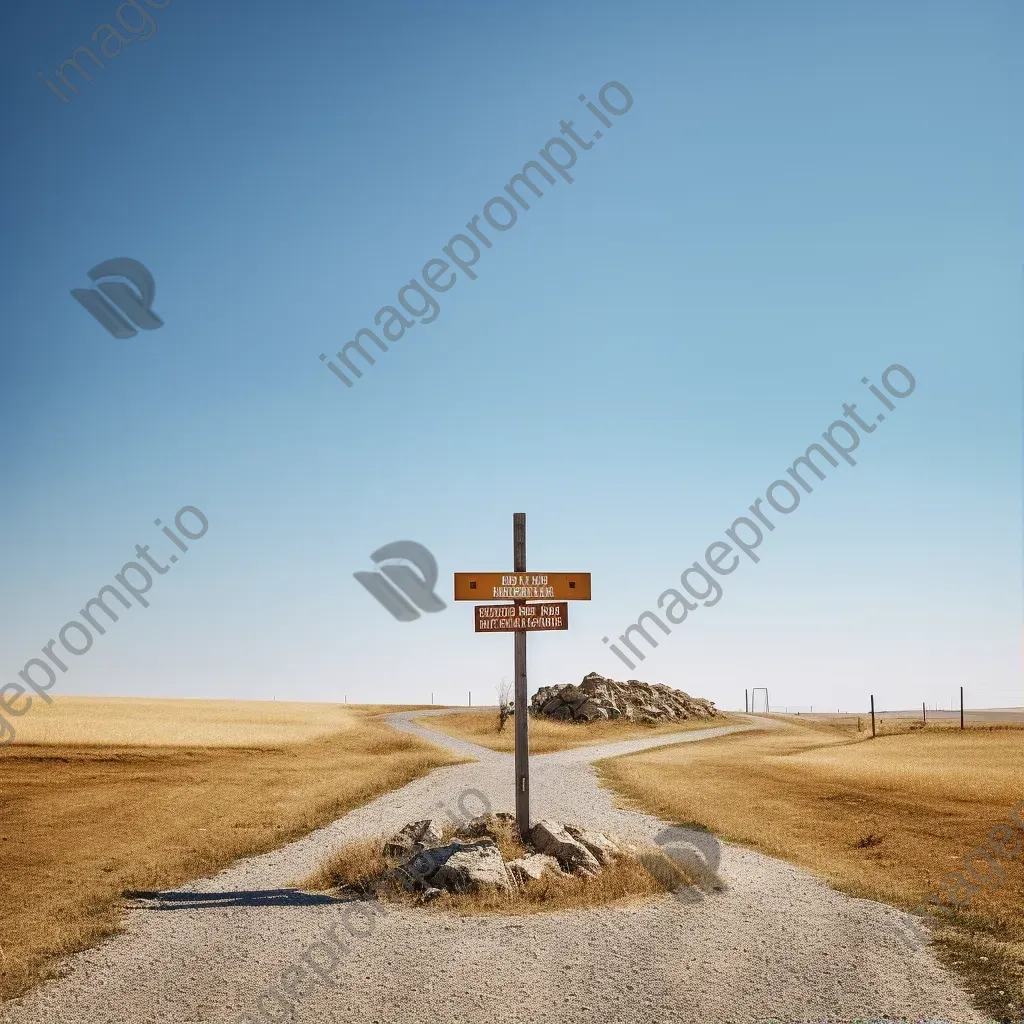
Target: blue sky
798, 198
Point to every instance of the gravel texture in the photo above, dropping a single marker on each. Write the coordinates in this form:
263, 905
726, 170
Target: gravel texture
777, 945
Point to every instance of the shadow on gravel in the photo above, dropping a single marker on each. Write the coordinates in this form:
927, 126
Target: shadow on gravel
207, 900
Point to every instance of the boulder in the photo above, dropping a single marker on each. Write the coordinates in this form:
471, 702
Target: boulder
472, 861
405, 880
590, 712
597, 698
472, 866
551, 838
531, 868
413, 838
599, 845
569, 693
424, 864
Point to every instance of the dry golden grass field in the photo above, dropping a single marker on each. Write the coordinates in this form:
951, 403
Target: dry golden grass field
157, 722
547, 735
102, 796
882, 818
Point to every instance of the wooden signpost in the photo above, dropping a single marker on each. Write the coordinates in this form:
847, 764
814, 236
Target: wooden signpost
552, 590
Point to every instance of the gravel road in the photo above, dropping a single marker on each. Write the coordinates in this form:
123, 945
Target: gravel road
776, 945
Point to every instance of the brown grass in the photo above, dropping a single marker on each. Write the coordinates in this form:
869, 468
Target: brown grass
86, 821
548, 736
884, 819
361, 867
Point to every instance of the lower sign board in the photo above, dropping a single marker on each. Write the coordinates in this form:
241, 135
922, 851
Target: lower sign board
508, 618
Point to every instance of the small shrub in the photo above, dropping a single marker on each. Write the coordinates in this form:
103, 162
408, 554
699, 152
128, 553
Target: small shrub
866, 841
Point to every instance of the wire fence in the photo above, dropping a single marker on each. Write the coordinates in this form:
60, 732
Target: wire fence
956, 711
1010, 710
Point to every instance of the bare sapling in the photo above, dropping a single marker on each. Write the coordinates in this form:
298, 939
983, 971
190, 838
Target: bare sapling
504, 702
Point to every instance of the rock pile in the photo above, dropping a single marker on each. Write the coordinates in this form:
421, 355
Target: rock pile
598, 698
472, 861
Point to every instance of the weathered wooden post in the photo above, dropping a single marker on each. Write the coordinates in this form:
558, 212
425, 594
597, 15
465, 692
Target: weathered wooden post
961, 707
872, 716
522, 714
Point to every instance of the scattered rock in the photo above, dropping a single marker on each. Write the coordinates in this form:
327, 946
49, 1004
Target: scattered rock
603, 848
413, 838
531, 868
552, 838
472, 866
426, 862
471, 861
405, 880
597, 698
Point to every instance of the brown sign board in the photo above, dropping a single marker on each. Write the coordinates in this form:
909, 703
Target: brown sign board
507, 618
522, 586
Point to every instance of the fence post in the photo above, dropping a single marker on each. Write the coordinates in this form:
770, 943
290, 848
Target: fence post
746, 701
924, 714
872, 716
961, 707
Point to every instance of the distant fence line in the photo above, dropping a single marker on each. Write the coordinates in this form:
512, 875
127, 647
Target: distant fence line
923, 710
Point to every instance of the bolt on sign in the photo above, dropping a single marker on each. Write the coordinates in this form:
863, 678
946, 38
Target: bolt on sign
503, 618
553, 589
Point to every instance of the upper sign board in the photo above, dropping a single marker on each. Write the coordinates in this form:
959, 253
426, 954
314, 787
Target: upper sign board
522, 586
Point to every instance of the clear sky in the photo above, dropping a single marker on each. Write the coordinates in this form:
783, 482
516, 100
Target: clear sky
800, 196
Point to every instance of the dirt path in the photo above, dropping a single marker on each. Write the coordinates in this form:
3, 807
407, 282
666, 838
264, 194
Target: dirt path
777, 945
